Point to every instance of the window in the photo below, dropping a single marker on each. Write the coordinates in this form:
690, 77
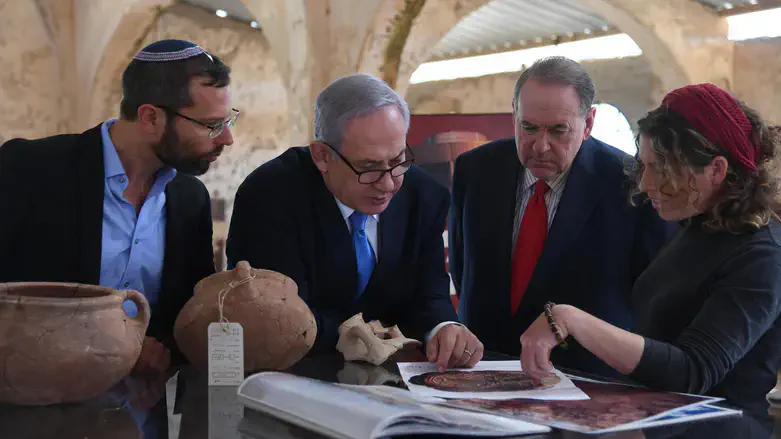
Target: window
612, 127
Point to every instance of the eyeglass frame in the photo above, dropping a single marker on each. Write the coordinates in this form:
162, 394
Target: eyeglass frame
212, 128
410, 162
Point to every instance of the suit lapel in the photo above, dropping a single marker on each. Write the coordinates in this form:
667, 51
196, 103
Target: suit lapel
90, 180
391, 238
337, 255
172, 259
500, 180
581, 194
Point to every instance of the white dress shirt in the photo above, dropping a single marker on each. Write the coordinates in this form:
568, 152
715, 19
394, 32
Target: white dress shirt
524, 193
371, 227
372, 232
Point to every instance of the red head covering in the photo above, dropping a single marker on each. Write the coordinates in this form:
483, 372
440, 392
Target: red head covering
717, 116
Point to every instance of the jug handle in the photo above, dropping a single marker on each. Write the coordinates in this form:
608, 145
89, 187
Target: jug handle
144, 312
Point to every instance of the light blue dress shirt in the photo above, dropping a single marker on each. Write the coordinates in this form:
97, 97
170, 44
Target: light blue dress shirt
133, 246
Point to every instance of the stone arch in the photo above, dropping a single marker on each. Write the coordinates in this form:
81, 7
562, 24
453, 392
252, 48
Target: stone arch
285, 26
125, 26
315, 42
677, 37
684, 41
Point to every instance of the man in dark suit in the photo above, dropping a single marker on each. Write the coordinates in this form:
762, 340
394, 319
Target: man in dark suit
336, 218
546, 217
113, 206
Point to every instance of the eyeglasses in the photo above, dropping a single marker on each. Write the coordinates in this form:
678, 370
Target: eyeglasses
214, 129
375, 175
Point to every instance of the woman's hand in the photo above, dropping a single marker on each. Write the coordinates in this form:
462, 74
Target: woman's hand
620, 349
538, 341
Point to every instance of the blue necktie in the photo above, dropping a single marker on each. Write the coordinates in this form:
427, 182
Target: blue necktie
364, 255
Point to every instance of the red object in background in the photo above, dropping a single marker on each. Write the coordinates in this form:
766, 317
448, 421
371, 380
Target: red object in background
437, 139
492, 126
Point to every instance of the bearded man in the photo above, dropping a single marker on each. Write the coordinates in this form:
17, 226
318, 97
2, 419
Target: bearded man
118, 205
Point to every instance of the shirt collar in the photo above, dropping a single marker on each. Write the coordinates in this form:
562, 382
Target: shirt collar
113, 165
556, 185
347, 211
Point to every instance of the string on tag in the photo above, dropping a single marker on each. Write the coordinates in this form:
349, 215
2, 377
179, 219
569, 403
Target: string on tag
224, 293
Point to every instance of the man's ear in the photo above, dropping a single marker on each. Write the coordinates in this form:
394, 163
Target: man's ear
590, 116
321, 155
151, 120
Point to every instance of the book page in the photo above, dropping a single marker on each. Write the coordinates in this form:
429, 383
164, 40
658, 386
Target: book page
487, 380
339, 410
314, 404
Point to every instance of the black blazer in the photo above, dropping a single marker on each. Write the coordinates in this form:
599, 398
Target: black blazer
596, 248
51, 196
285, 219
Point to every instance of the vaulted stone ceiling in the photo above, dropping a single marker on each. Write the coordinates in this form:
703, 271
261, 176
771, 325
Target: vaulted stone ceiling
508, 24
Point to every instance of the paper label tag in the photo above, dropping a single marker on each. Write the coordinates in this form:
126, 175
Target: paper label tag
226, 354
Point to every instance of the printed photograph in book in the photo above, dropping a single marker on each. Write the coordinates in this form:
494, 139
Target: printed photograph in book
483, 381
610, 406
486, 380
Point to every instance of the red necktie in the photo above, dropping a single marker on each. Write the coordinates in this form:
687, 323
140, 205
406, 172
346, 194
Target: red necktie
529, 243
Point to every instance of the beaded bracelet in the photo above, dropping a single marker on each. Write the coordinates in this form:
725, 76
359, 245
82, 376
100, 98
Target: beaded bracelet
553, 326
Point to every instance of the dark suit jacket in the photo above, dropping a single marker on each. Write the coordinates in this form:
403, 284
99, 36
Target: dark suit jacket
596, 248
285, 219
51, 196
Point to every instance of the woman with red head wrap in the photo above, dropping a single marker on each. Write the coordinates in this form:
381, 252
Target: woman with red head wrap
707, 308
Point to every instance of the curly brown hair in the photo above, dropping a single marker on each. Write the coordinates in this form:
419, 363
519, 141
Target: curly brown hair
746, 200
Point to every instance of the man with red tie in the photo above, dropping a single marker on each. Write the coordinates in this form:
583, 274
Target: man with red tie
546, 216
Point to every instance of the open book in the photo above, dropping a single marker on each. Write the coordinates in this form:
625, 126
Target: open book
346, 411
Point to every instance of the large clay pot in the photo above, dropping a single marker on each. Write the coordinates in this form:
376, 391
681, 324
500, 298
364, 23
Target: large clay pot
66, 342
279, 329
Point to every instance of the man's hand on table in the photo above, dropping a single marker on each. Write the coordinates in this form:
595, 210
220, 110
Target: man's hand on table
454, 346
155, 359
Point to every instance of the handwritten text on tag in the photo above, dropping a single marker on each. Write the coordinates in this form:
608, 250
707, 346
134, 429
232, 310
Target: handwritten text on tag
226, 354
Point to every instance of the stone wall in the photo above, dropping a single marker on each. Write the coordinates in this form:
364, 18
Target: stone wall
757, 79
30, 73
626, 83
37, 87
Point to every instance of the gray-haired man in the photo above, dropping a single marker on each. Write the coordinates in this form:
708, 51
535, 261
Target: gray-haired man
337, 219
546, 217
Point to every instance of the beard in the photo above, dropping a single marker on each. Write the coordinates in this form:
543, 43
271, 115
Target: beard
174, 152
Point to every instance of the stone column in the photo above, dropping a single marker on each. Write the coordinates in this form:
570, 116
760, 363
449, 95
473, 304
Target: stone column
317, 41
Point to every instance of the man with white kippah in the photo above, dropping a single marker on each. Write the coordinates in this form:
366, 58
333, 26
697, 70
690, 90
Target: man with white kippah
118, 205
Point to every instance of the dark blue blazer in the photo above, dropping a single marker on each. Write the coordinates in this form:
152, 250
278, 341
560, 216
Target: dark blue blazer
285, 219
596, 248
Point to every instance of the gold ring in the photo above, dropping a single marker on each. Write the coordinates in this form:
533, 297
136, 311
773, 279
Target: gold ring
467, 352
